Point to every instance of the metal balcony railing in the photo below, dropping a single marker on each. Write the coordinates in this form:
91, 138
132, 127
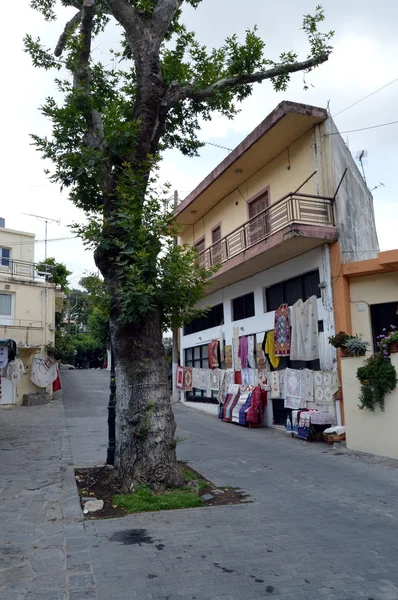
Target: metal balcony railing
26, 270
301, 209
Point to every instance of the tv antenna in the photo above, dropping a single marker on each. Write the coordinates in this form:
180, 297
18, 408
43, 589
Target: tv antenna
46, 221
361, 154
380, 184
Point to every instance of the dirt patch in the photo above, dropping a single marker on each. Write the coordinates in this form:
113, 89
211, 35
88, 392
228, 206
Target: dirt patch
95, 483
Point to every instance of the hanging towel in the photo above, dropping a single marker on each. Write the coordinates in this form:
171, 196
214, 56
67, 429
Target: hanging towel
44, 372
304, 343
282, 331
213, 354
307, 383
188, 379
250, 351
228, 357
243, 351
273, 380
270, 350
235, 350
293, 389
323, 387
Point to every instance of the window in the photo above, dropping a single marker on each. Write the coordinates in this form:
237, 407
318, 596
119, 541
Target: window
198, 357
243, 307
6, 305
200, 245
5, 255
258, 227
288, 292
383, 316
213, 318
216, 252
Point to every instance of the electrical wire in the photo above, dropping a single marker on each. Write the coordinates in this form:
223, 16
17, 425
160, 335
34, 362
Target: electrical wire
42, 241
365, 97
362, 128
218, 146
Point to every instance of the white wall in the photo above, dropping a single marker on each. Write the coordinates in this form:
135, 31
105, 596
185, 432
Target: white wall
264, 321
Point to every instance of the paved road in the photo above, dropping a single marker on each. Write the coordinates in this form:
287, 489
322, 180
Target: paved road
321, 525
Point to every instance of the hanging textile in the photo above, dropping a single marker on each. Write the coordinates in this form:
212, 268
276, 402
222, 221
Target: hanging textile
238, 406
282, 331
213, 354
188, 379
57, 383
15, 369
238, 377
243, 351
255, 414
228, 357
293, 389
336, 384
215, 379
180, 378
228, 408
235, 350
246, 377
323, 393
270, 349
250, 351
44, 372
260, 355
304, 342
202, 379
222, 345
244, 409
307, 383
3, 356
208, 383
273, 380
222, 390
196, 378
253, 374
327, 354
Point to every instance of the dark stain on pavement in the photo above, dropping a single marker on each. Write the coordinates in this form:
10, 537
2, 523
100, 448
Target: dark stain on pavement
259, 580
132, 537
151, 576
223, 569
159, 546
269, 589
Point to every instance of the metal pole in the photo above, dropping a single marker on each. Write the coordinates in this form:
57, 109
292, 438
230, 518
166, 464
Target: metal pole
45, 241
176, 394
110, 456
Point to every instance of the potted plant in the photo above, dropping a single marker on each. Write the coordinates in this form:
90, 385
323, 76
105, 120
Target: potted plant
388, 341
378, 377
338, 340
355, 346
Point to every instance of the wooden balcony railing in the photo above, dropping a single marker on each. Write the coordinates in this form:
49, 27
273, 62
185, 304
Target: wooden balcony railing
291, 209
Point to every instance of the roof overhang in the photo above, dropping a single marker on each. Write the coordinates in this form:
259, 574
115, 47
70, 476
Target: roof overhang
386, 262
287, 123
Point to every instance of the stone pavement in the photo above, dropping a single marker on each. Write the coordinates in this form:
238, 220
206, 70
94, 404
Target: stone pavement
321, 524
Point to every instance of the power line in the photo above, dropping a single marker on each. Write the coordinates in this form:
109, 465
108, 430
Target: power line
42, 241
218, 146
362, 128
365, 97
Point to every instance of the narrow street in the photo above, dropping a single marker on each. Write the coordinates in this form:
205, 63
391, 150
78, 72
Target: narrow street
320, 524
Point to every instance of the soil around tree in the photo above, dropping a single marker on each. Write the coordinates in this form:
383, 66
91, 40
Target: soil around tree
95, 483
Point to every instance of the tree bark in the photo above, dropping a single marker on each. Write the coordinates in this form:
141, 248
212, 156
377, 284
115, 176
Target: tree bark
145, 425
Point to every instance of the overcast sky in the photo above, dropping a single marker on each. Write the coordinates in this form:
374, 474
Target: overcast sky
365, 58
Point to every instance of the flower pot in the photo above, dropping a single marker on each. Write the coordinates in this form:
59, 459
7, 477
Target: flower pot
393, 347
343, 352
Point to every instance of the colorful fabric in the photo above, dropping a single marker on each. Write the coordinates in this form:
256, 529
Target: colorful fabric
243, 351
307, 383
237, 408
196, 378
213, 354
235, 350
228, 357
43, 372
270, 349
255, 415
180, 378
188, 379
244, 409
304, 340
230, 406
238, 377
250, 351
323, 384
57, 383
260, 355
282, 331
3, 356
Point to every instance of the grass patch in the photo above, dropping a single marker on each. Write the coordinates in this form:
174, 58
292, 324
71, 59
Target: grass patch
144, 500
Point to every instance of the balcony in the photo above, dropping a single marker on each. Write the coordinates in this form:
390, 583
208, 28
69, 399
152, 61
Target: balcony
26, 270
293, 225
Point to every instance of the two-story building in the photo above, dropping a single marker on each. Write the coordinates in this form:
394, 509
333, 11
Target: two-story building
27, 310
280, 215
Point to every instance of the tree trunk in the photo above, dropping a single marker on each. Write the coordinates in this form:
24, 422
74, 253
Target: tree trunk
145, 425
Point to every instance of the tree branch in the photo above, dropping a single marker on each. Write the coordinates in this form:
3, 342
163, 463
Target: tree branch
163, 14
177, 93
127, 16
60, 47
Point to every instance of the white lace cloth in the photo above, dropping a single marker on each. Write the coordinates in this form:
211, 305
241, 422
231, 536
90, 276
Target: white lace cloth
304, 336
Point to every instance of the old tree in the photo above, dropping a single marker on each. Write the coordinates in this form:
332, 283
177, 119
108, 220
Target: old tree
108, 135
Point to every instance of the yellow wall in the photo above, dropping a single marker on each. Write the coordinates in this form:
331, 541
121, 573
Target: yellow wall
367, 431
21, 244
367, 290
232, 211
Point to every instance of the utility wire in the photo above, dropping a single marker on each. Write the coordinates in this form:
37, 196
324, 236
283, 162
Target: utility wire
218, 146
365, 97
41, 241
362, 128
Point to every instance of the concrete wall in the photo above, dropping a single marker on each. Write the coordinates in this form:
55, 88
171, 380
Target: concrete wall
376, 432
21, 244
354, 202
232, 211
